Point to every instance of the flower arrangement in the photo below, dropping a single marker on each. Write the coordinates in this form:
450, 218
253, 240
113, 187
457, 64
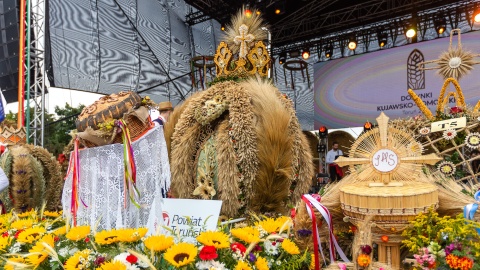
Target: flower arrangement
443, 242
44, 241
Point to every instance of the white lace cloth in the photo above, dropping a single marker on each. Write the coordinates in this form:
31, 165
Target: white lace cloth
101, 185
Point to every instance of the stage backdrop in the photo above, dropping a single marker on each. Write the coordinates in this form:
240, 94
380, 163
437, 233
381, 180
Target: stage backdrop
352, 90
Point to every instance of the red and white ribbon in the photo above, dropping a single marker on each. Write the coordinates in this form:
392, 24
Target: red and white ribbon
311, 202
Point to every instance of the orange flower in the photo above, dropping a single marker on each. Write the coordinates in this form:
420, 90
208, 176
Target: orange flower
363, 260
384, 238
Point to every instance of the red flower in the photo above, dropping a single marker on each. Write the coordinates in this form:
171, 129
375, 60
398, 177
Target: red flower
257, 248
238, 246
56, 238
5, 234
208, 253
87, 240
17, 233
455, 110
131, 259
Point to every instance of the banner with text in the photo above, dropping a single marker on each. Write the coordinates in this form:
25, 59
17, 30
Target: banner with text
188, 218
349, 91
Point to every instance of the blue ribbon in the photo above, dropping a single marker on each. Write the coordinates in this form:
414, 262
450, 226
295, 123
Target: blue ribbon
470, 209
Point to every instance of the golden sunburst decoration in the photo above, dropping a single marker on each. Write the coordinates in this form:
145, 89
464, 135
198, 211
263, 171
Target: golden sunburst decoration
385, 154
454, 63
243, 31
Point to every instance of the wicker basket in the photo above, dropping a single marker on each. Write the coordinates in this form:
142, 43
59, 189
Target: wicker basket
392, 206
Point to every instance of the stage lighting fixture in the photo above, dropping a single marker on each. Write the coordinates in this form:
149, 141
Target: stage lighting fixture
411, 30
367, 126
282, 58
258, 12
476, 16
222, 27
248, 12
352, 43
382, 38
323, 132
295, 53
306, 53
328, 51
440, 24
279, 7
321, 148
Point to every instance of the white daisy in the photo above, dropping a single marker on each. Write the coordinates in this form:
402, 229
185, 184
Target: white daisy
446, 167
424, 131
449, 134
473, 140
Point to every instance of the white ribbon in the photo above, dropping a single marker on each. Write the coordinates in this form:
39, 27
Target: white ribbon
326, 215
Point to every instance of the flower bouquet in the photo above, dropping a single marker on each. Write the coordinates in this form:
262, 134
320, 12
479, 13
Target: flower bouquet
42, 240
443, 242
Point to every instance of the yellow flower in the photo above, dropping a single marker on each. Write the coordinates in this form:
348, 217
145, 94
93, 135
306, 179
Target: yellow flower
31, 235
78, 233
290, 247
270, 225
113, 265
282, 220
246, 234
78, 261
212, 238
30, 213
4, 221
4, 242
60, 231
22, 224
158, 242
312, 262
38, 252
181, 254
131, 235
261, 264
11, 263
106, 237
53, 214
241, 265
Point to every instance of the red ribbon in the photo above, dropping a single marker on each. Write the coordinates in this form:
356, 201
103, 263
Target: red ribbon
315, 233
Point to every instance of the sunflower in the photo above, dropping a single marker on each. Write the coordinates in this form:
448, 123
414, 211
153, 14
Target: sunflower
39, 252
4, 221
158, 242
60, 231
213, 238
113, 265
181, 254
106, 237
270, 225
78, 261
131, 235
282, 220
241, 265
261, 264
22, 224
290, 247
31, 235
5, 242
30, 213
53, 214
12, 262
246, 234
78, 233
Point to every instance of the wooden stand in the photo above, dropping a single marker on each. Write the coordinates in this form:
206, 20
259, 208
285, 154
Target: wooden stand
389, 253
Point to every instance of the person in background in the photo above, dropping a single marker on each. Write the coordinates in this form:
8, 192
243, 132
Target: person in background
334, 170
165, 108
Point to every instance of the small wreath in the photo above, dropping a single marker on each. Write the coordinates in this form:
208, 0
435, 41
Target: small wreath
473, 140
449, 134
424, 131
446, 167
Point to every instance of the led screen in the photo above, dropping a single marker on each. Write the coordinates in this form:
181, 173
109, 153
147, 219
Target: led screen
352, 90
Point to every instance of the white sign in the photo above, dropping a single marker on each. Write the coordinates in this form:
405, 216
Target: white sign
188, 218
449, 124
385, 160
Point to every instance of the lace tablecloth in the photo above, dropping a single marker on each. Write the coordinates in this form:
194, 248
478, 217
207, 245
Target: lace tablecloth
101, 185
